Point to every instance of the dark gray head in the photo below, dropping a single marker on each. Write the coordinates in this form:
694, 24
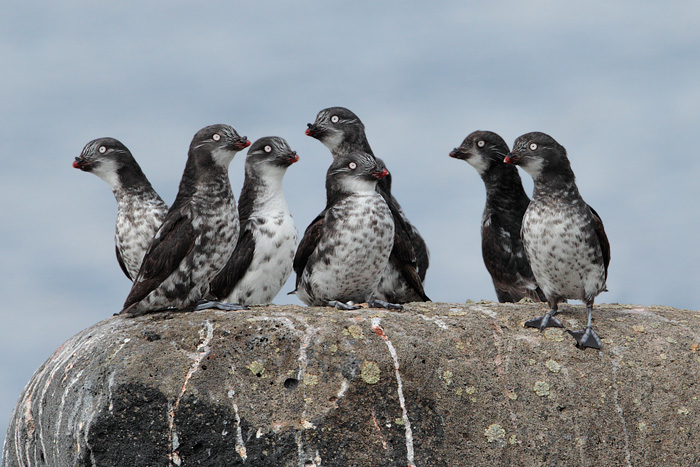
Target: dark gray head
483, 150
217, 144
540, 156
110, 160
271, 151
354, 173
338, 128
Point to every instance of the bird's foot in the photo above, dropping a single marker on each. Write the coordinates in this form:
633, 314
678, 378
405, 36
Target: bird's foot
376, 303
546, 321
210, 304
586, 338
342, 305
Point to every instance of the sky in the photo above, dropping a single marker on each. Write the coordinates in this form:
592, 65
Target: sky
616, 83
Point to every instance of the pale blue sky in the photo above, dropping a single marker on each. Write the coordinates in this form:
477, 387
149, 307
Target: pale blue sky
616, 83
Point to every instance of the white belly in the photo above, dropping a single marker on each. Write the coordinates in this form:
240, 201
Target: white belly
564, 253
275, 245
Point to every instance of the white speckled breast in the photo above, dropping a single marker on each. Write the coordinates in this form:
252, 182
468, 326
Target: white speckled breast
563, 249
138, 219
354, 250
276, 240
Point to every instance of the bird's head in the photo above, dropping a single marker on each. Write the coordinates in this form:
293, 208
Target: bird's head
335, 126
356, 172
271, 151
221, 142
538, 154
105, 157
482, 150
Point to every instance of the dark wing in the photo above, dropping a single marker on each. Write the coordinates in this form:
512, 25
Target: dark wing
224, 283
121, 264
404, 260
413, 249
508, 267
171, 244
602, 238
308, 244
422, 254
419, 255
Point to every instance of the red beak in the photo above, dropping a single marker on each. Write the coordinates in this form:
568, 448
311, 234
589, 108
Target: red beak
380, 175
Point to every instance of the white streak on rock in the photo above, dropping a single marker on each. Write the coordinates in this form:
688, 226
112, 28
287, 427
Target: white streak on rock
343, 388
437, 321
376, 327
303, 363
240, 445
206, 335
63, 401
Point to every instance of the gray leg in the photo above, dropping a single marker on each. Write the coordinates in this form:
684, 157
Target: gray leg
376, 303
548, 320
587, 337
209, 304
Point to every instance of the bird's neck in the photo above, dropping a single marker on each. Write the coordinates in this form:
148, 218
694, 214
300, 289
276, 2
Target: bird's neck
352, 143
261, 193
561, 188
504, 189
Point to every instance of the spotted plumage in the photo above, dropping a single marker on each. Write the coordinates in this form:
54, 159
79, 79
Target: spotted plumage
346, 248
199, 232
563, 236
140, 211
342, 132
506, 202
262, 260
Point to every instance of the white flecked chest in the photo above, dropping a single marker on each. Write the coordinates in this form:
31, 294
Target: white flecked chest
137, 222
354, 250
563, 249
276, 239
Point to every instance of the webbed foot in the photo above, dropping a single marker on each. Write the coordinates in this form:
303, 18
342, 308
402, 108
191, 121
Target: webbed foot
342, 305
546, 321
376, 303
210, 304
586, 338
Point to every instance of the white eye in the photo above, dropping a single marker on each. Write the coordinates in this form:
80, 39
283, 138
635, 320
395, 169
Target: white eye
352, 165
334, 119
481, 143
102, 149
533, 146
216, 137
267, 148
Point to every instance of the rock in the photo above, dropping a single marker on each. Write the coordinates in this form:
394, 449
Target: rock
436, 385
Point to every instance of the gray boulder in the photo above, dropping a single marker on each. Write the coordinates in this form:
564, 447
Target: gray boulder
435, 385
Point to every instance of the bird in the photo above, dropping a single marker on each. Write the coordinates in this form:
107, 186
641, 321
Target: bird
506, 202
341, 131
564, 237
262, 260
344, 250
140, 210
199, 232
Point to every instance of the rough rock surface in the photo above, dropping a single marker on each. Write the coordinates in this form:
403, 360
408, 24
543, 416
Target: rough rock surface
436, 385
